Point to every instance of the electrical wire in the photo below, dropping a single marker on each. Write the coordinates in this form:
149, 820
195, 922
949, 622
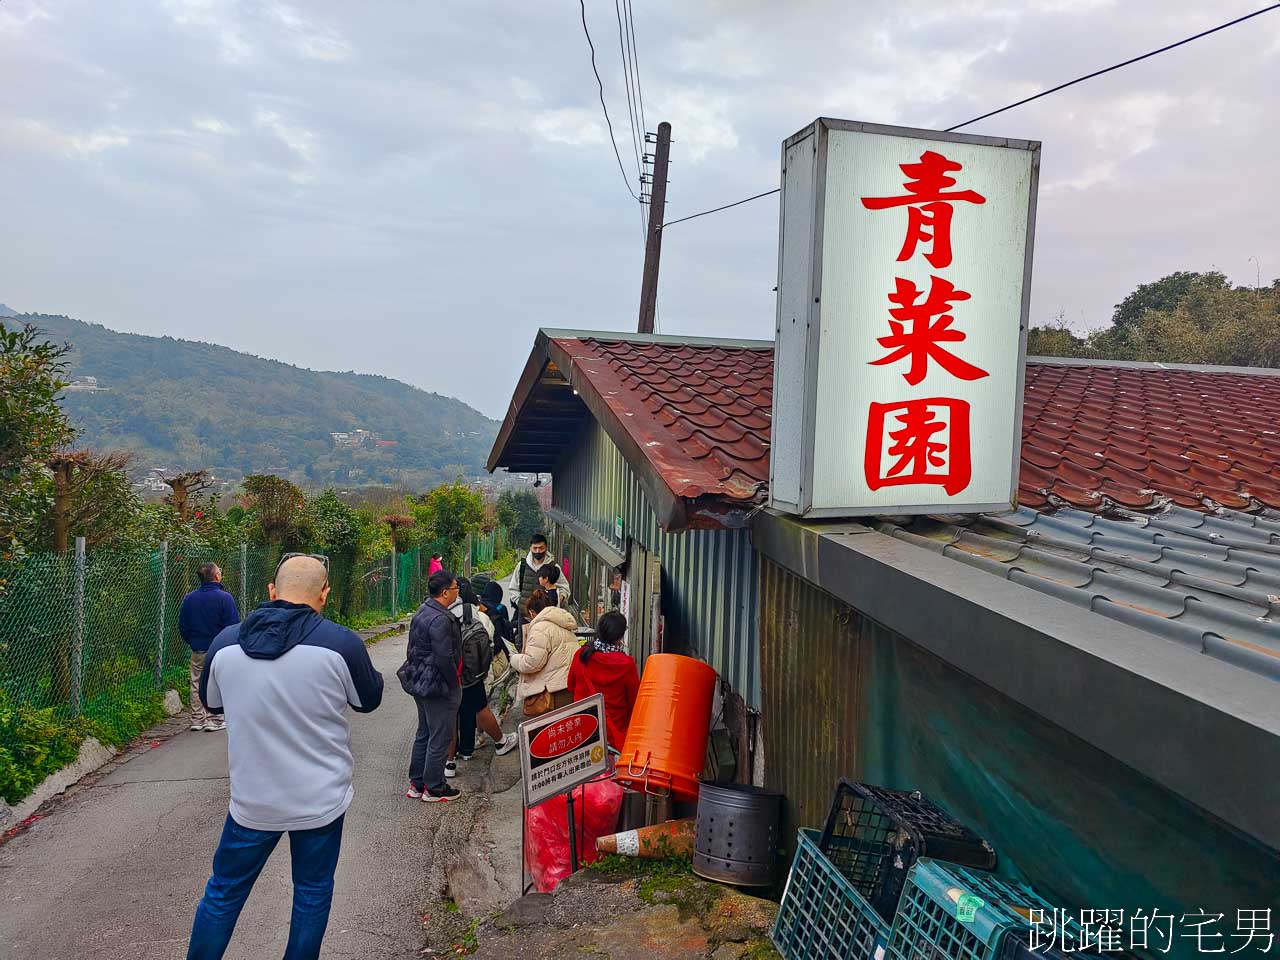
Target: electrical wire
626, 78
1044, 93
694, 216
635, 67
609, 123
1117, 66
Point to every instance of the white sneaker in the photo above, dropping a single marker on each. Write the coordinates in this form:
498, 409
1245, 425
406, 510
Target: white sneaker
198, 726
450, 769
507, 745
213, 726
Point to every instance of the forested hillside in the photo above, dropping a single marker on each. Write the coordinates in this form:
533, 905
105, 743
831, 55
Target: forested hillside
181, 404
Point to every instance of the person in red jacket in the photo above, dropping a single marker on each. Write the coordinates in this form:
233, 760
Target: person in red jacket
604, 666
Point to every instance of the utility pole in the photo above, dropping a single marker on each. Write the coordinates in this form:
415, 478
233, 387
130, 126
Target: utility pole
653, 241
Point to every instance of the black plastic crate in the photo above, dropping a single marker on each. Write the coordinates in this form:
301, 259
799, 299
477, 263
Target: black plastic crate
873, 835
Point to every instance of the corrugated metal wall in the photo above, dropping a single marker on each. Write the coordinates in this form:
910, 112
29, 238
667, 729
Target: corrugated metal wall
844, 696
710, 579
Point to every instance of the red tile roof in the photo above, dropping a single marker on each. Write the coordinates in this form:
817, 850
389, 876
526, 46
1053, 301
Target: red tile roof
1094, 436
1141, 437
715, 401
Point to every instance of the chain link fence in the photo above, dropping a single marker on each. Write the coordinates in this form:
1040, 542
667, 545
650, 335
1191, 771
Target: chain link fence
92, 634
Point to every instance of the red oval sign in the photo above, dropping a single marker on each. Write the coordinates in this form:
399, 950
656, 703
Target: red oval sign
563, 736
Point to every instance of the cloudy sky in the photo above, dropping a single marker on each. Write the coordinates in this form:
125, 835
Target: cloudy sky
413, 188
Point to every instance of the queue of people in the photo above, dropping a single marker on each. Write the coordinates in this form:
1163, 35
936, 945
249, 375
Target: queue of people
286, 677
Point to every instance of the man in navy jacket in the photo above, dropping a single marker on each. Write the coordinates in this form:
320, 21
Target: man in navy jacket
206, 611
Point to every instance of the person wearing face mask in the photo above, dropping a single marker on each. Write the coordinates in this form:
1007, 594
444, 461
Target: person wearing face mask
524, 579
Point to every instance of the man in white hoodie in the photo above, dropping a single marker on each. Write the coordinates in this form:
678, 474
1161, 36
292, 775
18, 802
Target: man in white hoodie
524, 579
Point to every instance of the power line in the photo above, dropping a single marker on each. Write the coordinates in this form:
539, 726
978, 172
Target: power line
1045, 93
1117, 66
609, 123
635, 56
626, 77
694, 216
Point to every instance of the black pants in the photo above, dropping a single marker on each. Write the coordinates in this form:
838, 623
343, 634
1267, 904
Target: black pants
436, 720
474, 699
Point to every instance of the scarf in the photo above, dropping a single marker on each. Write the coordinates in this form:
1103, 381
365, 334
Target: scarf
602, 647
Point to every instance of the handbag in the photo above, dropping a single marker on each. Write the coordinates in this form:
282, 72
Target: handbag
539, 703
421, 679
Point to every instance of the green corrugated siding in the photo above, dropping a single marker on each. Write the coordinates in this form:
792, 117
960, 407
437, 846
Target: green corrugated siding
845, 697
710, 578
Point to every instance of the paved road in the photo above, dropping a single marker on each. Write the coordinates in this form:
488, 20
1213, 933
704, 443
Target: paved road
114, 872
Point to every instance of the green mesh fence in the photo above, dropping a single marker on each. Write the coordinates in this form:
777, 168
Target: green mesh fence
95, 635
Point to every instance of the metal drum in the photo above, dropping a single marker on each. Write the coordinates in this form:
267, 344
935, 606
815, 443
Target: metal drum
737, 839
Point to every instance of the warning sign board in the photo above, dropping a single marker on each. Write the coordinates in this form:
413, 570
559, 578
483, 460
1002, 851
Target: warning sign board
563, 748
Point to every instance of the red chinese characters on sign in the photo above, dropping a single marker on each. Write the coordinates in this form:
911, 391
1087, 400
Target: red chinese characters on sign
923, 441
928, 443
920, 329
929, 206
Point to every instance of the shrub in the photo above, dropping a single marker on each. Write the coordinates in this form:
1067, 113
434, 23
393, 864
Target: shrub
33, 744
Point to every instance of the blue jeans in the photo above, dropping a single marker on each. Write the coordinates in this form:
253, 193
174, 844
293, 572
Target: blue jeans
241, 855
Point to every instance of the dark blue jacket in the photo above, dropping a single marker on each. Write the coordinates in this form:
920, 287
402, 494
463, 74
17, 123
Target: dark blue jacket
206, 611
434, 650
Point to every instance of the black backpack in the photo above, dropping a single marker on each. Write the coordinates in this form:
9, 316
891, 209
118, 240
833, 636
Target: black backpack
477, 648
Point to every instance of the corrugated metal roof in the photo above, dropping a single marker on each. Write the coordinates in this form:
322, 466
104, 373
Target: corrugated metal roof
1211, 582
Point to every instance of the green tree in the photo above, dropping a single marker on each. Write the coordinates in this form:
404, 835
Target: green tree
447, 514
520, 512
1164, 295
92, 498
32, 428
337, 530
1182, 318
279, 508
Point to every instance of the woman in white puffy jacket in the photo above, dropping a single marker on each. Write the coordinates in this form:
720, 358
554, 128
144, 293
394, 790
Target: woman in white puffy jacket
543, 663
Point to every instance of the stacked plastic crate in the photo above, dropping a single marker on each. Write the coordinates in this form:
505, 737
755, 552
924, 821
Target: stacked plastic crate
893, 876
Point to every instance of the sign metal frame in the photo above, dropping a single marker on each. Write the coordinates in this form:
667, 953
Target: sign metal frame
798, 337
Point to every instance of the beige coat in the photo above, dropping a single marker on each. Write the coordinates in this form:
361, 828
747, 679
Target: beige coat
548, 652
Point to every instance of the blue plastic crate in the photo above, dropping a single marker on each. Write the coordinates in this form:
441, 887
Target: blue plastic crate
949, 912
822, 915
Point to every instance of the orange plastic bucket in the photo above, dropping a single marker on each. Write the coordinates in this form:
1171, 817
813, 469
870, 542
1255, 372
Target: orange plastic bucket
666, 746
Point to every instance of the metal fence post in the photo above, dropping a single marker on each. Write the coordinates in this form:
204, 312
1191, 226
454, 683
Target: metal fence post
164, 592
393, 580
244, 578
77, 629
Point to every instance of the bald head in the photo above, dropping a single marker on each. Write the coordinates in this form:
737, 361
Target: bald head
302, 580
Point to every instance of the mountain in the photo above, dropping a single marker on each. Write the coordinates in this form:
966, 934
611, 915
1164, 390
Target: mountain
7, 311
183, 405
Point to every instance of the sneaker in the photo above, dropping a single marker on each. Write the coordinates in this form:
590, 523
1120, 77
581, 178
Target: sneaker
198, 725
464, 756
443, 795
413, 793
213, 726
507, 745
450, 769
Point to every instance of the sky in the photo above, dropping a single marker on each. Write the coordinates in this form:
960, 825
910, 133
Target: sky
413, 189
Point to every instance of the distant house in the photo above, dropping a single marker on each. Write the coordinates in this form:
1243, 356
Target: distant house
84, 385
353, 438
152, 483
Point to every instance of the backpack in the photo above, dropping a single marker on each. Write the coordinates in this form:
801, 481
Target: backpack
477, 648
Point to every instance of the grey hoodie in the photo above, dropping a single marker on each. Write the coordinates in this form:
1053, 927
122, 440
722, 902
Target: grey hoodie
285, 678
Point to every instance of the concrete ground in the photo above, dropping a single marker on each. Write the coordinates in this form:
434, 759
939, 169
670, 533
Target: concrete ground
114, 869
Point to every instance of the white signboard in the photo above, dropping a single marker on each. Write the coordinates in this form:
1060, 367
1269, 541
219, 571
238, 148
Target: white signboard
563, 748
904, 274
